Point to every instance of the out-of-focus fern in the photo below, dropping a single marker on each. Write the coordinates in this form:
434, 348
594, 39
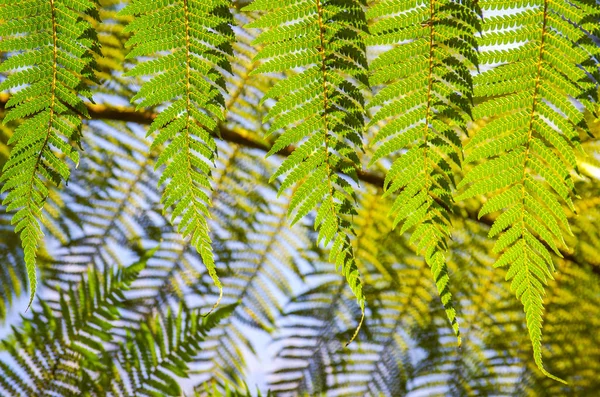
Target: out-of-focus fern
121, 209
528, 152
229, 391
64, 352
425, 104
311, 334
73, 351
112, 59
13, 276
407, 346
107, 195
257, 278
159, 348
198, 35
320, 108
51, 48
380, 363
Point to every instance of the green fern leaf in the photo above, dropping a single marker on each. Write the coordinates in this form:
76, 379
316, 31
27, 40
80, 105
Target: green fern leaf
63, 349
51, 46
197, 34
163, 347
423, 107
320, 108
528, 150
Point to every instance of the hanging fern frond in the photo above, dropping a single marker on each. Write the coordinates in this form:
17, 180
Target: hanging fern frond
425, 104
198, 34
500, 323
55, 220
51, 47
538, 94
320, 108
511, 86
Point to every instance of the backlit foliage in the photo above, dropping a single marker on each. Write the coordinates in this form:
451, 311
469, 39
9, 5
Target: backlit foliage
288, 159
539, 102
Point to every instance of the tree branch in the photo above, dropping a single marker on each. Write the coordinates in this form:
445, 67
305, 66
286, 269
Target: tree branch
128, 114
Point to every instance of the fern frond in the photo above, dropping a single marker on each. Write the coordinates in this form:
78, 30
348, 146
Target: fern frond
537, 96
197, 34
425, 104
319, 108
160, 351
64, 352
51, 49
312, 331
55, 220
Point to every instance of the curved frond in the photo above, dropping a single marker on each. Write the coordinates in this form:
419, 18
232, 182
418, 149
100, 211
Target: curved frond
190, 78
537, 93
51, 48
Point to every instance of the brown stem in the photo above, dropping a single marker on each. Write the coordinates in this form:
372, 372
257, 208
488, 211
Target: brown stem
128, 114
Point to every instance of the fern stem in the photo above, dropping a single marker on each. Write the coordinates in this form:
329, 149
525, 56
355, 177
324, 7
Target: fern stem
326, 137
535, 99
31, 270
325, 101
538, 78
430, 82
